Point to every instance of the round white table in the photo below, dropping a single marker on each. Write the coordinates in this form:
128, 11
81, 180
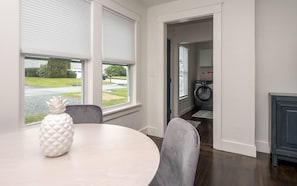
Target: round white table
101, 154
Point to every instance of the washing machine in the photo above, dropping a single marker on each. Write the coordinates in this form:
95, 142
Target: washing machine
203, 94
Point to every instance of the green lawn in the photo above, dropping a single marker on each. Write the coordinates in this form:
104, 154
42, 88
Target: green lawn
117, 96
34, 118
121, 97
122, 92
108, 103
56, 82
118, 92
119, 77
106, 82
72, 94
52, 82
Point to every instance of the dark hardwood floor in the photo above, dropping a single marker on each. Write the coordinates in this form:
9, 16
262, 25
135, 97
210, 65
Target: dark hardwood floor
223, 168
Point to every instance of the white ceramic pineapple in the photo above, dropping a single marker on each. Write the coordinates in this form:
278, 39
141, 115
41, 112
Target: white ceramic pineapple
56, 129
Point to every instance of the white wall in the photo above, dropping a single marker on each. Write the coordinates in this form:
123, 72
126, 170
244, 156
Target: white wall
194, 31
9, 55
238, 70
276, 59
276, 44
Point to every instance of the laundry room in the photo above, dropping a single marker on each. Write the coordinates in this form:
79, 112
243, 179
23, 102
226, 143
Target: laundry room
191, 66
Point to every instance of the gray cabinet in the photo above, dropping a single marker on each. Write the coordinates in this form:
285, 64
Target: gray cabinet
283, 127
206, 58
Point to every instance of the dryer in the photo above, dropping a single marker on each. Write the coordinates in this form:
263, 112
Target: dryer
203, 94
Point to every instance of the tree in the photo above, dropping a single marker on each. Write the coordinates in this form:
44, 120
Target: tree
42, 70
115, 70
57, 68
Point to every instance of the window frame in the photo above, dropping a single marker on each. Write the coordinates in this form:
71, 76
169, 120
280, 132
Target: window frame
114, 61
97, 61
44, 57
112, 107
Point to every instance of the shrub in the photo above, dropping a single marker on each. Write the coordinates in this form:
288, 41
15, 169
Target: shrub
31, 72
71, 74
57, 68
42, 71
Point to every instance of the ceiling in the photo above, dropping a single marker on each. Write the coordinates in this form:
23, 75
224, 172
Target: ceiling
150, 3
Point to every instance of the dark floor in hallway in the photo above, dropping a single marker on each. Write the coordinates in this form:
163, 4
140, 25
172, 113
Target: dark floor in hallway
218, 168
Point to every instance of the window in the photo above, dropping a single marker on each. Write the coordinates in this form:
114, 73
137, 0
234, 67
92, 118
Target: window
61, 30
183, 72
115, 86
118, 58
55, 44
45, 78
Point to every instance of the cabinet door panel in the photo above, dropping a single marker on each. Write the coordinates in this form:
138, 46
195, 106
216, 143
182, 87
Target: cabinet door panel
284, 128
291, 127
287, 125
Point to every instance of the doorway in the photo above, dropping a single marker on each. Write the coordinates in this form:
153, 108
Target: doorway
207, 13
192, 72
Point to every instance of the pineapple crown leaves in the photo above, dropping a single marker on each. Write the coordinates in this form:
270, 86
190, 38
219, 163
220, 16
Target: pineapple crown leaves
57, 105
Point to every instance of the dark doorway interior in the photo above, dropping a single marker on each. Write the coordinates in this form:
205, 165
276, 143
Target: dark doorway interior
168, 80
205, 129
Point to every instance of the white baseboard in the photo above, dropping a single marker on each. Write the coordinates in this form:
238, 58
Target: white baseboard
188, 109
227, 145
239, 148
263, 146
154, 132
144, 130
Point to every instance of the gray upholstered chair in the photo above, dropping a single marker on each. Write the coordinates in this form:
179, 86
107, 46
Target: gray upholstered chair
179, 155
85, 113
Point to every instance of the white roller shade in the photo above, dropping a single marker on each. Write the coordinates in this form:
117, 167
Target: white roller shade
56, 27
118, 38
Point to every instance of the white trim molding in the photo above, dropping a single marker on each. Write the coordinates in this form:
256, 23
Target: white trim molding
238, 148
157, 122
192, 14
121, 111
263, 146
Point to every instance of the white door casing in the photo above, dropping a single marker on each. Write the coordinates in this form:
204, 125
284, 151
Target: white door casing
189, 15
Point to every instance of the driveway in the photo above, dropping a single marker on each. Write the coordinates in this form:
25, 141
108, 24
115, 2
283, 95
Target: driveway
36, 98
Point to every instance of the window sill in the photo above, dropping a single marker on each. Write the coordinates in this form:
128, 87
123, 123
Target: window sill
183, 98
119, 112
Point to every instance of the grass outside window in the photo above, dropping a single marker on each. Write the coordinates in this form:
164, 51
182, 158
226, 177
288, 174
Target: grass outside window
109, 98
